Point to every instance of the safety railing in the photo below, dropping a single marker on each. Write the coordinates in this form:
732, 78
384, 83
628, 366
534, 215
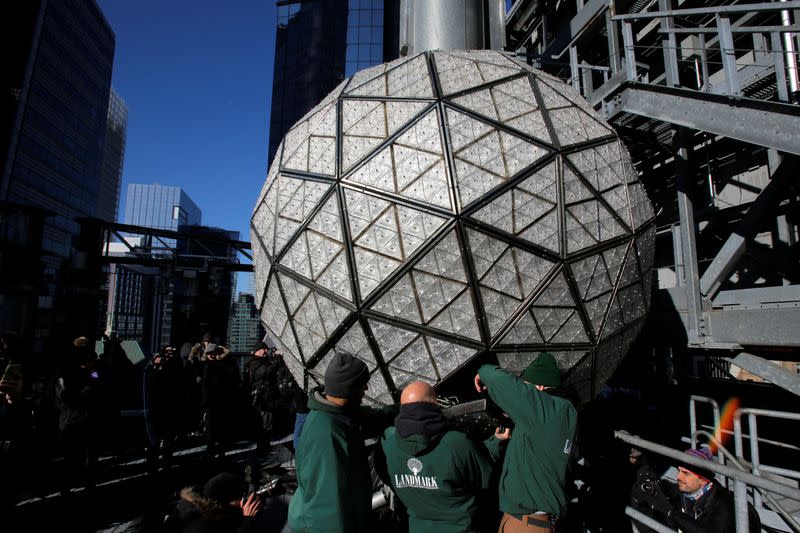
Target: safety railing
739, 476
742, 465
720, 33
755, 457
702, 42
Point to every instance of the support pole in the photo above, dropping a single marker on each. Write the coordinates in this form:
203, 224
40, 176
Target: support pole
669, 46
728, 54
575, 77
695, 329
613, 40
630, 54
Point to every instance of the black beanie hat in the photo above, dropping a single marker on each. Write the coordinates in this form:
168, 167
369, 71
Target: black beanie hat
345, 376
224, 488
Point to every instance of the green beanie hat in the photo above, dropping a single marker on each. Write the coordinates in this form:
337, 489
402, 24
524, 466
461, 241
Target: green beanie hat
543, 371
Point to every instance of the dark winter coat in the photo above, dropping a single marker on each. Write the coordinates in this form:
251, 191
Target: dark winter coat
263, 379
713, 512
334, 486
438, 476
77, 396
535, 466
196, 514
220, 385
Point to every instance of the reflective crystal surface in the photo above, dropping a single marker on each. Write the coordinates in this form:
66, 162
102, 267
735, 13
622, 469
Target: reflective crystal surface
446, 205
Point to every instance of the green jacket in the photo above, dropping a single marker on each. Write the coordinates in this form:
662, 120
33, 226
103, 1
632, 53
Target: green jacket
535, 466
334, 486
439, 479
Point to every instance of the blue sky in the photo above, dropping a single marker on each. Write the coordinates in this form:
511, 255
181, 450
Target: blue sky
197, 78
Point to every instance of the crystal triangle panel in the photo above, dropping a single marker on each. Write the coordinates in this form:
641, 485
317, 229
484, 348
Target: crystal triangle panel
458, 317
316, 319
545, 231
260, 274
458, 73
414, 359
523, 332
435, 292
297, 198
448, 355
367, 123
645, 244
387, 236
557, 293
391, 339
400, 301
552, 319
568, 93
264, 218
412, 166
353, 342
573, 126
486, 157
601, 166
315, 139
406, 78
318, 254
641, 208
511, 103
580, 377
275, 319
588, 223
498, 308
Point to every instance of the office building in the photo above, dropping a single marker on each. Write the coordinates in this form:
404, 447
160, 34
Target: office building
160, 207
113, 158
57, 64
244, 329
201, 298
320, 43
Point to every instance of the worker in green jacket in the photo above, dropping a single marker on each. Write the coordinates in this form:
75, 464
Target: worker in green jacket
438, 474
532, 494
334, 486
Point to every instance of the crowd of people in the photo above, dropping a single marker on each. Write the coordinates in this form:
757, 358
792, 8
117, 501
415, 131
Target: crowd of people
517, 480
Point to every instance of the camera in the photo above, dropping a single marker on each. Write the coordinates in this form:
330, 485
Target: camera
648, 486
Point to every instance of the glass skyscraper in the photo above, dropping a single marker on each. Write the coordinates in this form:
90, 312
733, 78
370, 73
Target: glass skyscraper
113, 158
318, 43
160, 207
57, 63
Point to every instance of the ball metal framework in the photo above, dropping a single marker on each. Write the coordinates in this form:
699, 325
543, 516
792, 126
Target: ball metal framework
441, 206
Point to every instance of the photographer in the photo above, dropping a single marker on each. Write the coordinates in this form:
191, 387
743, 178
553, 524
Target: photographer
164, 401
262, 378
222, 505
698, 504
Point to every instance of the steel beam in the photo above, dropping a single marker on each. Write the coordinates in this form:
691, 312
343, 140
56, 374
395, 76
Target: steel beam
758, 297
769, 124
688, 236
754, 327
733, 249
769, 371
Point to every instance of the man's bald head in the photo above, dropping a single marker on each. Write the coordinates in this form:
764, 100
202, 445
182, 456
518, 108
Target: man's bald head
418, 391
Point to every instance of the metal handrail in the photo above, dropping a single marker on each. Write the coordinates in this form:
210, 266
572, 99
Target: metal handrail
787, 516
756, 481
741, 8
753, 427
741, 478
693, 415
